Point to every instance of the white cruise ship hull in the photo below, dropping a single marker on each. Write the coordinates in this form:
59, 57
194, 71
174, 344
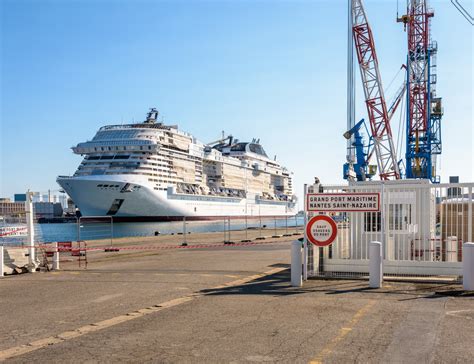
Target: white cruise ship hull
131, 198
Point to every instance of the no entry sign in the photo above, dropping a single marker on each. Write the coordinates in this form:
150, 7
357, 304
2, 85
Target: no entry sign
321, 230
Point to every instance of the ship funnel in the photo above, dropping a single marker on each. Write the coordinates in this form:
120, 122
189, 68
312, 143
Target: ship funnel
152, 116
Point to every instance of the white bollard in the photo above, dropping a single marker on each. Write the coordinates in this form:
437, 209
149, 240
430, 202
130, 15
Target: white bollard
468, 266
2, 268
56, 257
375, 264
296, 264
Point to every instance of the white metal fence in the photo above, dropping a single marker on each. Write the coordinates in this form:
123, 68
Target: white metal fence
421, 226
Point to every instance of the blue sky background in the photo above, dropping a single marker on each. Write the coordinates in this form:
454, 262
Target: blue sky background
274, 70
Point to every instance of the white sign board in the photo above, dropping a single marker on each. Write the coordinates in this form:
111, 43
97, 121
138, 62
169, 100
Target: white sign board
343, 202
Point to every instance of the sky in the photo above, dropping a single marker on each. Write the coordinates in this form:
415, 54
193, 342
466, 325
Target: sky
274, 70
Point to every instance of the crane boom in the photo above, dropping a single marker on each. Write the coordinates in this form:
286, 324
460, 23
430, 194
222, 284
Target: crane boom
374, 96
424, 108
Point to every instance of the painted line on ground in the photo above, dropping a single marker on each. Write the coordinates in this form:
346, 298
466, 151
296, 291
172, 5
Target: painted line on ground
87, 329
329, 348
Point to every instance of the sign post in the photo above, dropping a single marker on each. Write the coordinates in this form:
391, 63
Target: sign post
305, 240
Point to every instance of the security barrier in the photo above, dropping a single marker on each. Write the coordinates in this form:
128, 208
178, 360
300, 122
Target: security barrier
422, 228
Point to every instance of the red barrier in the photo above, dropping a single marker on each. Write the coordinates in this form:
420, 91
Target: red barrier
68, 246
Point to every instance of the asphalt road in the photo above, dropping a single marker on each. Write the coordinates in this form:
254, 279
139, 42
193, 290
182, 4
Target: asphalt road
226, 305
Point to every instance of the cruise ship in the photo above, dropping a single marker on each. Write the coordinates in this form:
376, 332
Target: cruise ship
150, 171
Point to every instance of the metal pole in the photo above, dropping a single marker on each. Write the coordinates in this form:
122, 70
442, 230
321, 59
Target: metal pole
260, 219
184, 232
350, 80
275, 224
111, 231
382, 222
469, 217
78, 228
31, 231
296, 224
246, 228
2, 268
305, 240
228, 228
225, 227
286, 224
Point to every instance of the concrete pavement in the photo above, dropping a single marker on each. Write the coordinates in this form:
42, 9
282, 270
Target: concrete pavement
217, 305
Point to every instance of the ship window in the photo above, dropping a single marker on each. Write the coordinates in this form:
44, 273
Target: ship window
256, 148
239, 147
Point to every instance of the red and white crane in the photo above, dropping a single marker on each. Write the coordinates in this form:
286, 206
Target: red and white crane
374, 96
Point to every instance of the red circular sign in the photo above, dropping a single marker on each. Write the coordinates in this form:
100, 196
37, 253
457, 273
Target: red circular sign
321, 230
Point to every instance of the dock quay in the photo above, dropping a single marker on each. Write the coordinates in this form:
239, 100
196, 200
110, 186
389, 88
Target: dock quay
237, 182
223, 303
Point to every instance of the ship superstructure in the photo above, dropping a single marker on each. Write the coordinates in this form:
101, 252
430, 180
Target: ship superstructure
154, 171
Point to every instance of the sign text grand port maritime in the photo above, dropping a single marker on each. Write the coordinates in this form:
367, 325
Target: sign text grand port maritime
343, 202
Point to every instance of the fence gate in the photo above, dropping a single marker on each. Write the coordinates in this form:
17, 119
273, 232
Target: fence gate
422, 228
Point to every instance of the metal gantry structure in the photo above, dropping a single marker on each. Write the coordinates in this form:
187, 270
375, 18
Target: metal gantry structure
374, 96
423, 109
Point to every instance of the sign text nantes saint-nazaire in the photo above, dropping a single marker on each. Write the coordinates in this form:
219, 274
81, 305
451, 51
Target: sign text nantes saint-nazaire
343, 202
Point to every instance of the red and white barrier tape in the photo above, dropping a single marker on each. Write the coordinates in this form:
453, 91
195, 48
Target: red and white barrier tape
77, 248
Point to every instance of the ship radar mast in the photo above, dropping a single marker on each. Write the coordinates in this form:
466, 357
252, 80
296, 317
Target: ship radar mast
151, 116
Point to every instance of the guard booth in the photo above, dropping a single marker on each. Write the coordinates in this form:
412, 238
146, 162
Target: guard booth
421, 226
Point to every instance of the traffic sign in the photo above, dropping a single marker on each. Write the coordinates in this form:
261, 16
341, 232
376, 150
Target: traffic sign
321, 230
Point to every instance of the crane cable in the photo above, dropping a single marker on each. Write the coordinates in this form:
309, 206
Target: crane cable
399, 143
463, 11
393, 80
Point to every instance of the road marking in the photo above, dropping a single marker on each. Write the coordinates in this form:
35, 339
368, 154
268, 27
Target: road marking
68, 335
328, 349
461, 313
107, 297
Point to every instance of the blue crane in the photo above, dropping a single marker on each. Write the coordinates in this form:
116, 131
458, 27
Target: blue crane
359, 169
